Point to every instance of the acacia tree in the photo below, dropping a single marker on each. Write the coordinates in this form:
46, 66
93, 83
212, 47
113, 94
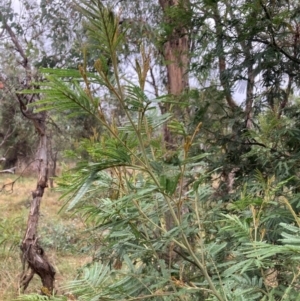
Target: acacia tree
133, 145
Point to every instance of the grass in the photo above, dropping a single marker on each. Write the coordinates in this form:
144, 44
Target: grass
60, 235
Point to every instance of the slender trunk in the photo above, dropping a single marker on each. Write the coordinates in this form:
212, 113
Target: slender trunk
247, 49
250, 86
229, 177
291, 78
222, 60
32, 253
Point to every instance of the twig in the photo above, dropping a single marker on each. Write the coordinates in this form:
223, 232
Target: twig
6, 136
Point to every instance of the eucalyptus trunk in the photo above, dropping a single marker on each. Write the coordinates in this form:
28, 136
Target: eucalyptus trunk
176, 56
176, 50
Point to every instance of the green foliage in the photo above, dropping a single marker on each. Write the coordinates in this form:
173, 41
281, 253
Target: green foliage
61, 237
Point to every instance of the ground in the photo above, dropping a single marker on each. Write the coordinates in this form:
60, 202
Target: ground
59, 233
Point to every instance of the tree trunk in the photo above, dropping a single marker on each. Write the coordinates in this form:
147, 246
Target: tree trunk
176, 51
32, 253
176, 57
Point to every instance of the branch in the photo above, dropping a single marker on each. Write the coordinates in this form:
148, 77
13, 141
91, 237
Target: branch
274, 43
6, 136
154, 82
18, 46
9, 170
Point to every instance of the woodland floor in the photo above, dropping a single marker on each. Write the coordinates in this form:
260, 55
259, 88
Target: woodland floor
59, 234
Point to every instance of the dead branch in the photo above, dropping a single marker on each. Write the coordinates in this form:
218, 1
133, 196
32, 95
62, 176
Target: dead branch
9, 170
6, 136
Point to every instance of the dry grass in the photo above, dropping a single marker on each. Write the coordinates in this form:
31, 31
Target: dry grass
14, 208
